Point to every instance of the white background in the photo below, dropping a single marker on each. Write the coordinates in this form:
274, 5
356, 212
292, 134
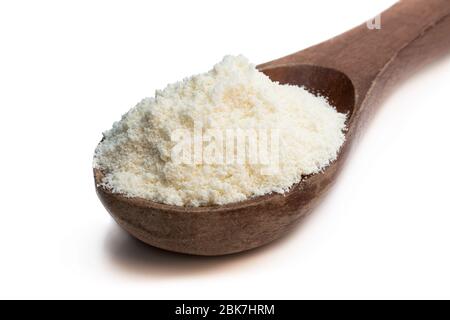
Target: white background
69, 69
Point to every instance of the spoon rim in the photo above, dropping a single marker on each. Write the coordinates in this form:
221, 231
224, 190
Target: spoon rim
146, 203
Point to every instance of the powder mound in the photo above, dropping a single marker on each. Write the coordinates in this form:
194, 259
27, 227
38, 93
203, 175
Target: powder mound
242, 135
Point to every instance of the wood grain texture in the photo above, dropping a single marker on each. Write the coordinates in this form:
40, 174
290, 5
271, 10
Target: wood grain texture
355, 71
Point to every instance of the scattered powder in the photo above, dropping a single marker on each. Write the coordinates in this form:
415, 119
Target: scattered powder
137, 154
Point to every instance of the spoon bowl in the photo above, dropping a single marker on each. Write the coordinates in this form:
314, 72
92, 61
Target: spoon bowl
219, 230
354, 71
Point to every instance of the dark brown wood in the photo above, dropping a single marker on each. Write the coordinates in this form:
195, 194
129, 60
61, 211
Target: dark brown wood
355, 70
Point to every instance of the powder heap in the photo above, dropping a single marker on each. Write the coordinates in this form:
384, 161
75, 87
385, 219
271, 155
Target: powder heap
138, 159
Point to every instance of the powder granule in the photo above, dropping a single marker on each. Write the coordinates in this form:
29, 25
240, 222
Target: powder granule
137, 154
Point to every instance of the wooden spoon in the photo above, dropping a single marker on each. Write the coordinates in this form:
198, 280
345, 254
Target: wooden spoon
354, 70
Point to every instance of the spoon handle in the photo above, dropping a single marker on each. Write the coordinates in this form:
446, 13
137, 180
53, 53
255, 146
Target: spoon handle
409, 35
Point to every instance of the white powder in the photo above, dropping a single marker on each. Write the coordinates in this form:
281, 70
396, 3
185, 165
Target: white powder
137, 155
